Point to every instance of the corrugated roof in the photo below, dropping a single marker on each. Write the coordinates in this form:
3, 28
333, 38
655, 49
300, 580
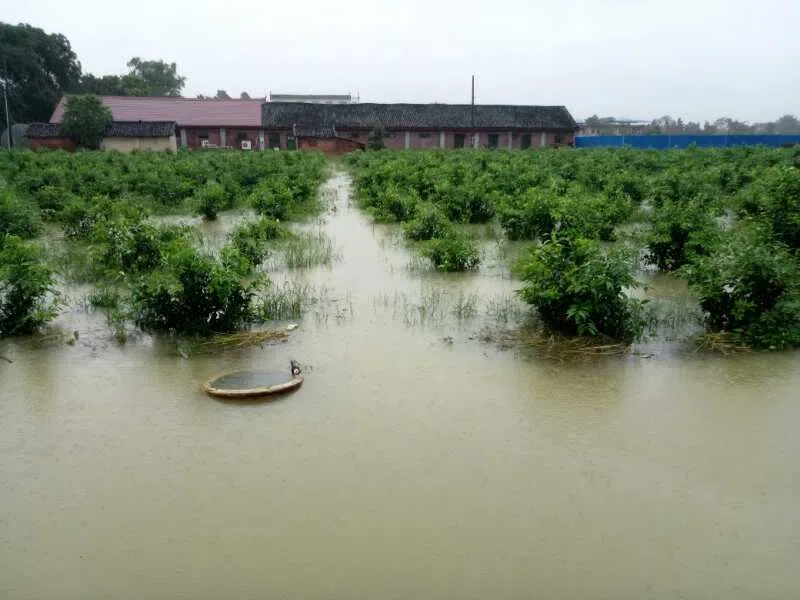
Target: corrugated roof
117, 129
189, 112
44, 130
141, 129
283, 115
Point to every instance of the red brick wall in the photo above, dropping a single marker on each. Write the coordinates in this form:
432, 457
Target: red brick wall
53, 143
329, 145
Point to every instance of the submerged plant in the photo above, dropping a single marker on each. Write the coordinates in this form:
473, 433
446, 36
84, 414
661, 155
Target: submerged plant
28, 295
578, 288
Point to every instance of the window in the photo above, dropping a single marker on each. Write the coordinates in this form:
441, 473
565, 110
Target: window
274, 139
424, 136
494, 140
559, 139
242, 136
458, 140
202, 135
526, 141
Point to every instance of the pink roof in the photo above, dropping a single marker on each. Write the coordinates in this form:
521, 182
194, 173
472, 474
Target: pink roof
188, 112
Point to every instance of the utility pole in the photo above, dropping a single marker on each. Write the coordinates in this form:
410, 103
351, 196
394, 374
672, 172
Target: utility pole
472, 112
5, 102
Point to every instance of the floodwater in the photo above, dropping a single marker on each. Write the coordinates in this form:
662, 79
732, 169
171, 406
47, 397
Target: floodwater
415, 462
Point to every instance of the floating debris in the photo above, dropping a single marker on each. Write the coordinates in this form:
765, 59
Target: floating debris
244, 339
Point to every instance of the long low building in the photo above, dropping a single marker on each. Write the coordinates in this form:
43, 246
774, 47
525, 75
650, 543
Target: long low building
122, 136
338, 128
423, 125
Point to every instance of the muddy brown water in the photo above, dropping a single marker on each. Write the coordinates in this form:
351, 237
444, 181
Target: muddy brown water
415, 462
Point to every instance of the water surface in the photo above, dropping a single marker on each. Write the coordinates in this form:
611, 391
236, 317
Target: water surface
415, 462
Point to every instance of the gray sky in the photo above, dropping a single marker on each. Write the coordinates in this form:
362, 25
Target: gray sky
697, 59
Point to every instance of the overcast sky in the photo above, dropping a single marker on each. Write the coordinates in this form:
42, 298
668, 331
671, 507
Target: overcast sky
697, 59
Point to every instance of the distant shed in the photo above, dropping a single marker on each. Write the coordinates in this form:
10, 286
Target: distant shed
121, 136
141, 135
48, 135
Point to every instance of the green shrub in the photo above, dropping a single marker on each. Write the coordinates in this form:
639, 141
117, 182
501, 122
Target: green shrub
211, 199
679, 231
430, 222
251, 239
272, 199
17, 216
192, 293
453, 252
578, 288
28, 298
750, 286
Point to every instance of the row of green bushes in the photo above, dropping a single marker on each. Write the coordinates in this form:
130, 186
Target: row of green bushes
157, 276
276, 183
726, 219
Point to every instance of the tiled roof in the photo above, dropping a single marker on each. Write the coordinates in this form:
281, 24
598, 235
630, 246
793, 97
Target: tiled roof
141, 129
44, 130
117, 129
188, 112
282, 115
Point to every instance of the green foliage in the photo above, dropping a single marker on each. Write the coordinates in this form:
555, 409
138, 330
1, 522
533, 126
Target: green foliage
86, 119
28, 298
251, 240
377, 138
429, 223
775, 199
579, 289
453, 252
17, 216
192, 293
750, 286
679, 231
38, 68
210, 199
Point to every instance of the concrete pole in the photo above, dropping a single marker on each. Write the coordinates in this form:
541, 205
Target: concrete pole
441, 139
183, 138
223, 137
408, 140
544, 139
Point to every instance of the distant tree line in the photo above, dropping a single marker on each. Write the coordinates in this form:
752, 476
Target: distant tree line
38, 68
787, 124
223, 95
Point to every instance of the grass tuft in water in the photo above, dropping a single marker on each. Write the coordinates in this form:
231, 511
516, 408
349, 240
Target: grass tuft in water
308, 250
287, 301
465, 306
506, 308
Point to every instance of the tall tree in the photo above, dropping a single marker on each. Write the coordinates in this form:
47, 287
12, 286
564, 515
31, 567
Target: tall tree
38, 68
787, 124
244, 96
222, 95
105, 85
152, 78
86, 119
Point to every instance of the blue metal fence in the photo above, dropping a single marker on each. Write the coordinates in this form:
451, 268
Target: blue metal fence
663, 142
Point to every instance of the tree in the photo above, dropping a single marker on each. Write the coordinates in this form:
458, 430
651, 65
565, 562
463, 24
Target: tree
787, 124
105, 85
244, 96
376, 139
222, 95
86, 120
38, 68
152, 78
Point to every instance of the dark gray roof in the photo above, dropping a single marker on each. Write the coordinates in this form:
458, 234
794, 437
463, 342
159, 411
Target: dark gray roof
141, 129
117, 129
44, 130
284, 115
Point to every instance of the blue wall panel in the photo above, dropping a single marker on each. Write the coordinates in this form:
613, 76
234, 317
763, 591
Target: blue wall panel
663, 142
